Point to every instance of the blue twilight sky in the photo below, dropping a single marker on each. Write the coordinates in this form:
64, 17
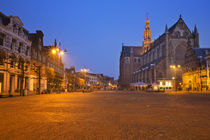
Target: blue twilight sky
93, 30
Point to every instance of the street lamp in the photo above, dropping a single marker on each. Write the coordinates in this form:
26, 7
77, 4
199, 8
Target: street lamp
58, 51
84, 70
53, 51
175, 67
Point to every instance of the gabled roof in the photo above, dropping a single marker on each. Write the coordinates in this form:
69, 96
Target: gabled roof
171, 29
17, 19
127, 50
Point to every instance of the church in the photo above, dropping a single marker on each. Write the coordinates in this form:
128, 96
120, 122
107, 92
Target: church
154, 60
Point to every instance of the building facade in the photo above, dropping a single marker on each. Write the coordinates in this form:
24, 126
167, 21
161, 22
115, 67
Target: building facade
196, 70
26, 65
15, 48
158, 55
54, 67
130, 61
38, 63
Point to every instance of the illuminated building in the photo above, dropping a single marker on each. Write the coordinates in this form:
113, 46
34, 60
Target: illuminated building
15, 55
196, 70
24, 59
155, 57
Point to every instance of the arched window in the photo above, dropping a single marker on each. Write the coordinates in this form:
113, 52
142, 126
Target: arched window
177, 34
185, 34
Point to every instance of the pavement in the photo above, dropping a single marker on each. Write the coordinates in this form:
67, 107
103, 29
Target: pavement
119, 115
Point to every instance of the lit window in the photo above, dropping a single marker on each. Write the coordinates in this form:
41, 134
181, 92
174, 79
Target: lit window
161, 83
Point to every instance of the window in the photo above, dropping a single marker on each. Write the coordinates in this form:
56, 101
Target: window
19, 65
151, 55
1, 39
19, 48
149, 59
19, 31
27, 51
206, 52
1, 21
185, 34
14, 28
13, 44
177, 34
127, 60
1, 61
158, 52
12, 64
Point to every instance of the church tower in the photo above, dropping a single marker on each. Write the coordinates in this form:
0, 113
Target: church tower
147, 36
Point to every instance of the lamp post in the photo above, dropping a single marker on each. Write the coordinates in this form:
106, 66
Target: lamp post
58, 52
175, 67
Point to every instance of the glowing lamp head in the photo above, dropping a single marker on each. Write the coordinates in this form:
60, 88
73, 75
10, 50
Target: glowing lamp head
53, 51
61, 52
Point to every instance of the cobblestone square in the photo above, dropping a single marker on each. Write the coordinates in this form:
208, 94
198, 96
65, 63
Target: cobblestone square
106, 116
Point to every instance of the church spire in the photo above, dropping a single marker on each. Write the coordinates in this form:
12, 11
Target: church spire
166, 29
147, 36
55, 43
195, 30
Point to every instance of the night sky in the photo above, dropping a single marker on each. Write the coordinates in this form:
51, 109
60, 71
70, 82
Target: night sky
93, 30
